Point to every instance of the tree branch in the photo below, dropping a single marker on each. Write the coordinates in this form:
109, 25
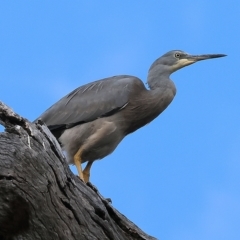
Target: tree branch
40, 198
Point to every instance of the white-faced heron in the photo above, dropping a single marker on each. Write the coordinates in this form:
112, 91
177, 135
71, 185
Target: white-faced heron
93, 119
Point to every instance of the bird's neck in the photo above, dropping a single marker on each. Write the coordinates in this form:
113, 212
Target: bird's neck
161, 93
159, 79
151, 102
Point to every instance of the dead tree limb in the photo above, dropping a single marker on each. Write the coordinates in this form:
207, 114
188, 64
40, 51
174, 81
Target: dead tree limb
40, 198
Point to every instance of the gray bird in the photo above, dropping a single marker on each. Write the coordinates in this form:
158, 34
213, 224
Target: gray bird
93, 119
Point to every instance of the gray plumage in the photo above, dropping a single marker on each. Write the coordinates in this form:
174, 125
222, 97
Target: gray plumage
93, 119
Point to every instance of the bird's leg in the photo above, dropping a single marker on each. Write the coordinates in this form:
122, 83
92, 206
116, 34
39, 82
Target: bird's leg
86, 172
77, 161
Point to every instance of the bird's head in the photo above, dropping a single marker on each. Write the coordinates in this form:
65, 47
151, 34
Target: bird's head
170, 62
176, 59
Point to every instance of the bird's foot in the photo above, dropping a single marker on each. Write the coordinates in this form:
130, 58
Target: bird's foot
86, 176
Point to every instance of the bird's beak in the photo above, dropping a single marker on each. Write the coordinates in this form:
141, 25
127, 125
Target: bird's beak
196, 58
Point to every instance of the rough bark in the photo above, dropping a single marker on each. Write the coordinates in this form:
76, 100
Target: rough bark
40, 198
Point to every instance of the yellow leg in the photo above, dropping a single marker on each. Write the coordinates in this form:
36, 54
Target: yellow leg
77, 161
86, 172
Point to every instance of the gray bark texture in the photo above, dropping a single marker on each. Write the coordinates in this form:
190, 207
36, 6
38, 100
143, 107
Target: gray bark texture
40, 198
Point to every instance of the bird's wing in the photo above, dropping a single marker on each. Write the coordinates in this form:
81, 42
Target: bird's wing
91, 101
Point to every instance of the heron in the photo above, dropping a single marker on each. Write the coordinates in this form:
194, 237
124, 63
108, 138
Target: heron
93, 119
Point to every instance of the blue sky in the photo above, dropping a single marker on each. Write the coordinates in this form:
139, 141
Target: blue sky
178, 177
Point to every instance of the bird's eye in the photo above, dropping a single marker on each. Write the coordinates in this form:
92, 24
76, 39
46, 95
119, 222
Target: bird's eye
177, 55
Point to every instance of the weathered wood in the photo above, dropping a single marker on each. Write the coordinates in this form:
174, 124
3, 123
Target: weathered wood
40, 198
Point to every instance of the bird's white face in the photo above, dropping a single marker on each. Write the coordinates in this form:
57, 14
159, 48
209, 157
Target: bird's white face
180, 63
179, 60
